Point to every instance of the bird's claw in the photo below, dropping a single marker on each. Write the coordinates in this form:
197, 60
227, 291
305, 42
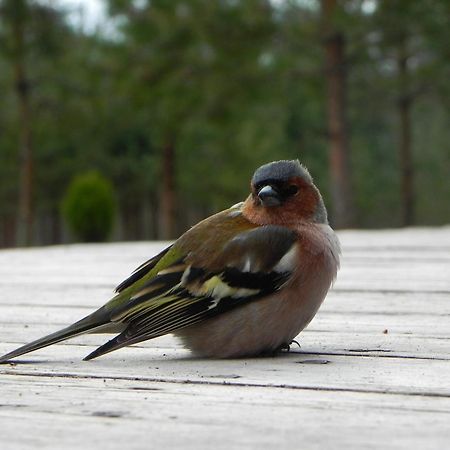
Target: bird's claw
285, 347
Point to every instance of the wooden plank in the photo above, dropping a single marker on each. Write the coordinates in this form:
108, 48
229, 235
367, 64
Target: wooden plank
314, 371
388, 260
69, 307
425, 324
87, 298
354, 316
117, 414
410, 238
316, 341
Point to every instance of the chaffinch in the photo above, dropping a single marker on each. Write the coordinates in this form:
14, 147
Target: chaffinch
242, 282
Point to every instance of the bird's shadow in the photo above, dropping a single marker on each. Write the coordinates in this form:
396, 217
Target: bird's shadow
115, 360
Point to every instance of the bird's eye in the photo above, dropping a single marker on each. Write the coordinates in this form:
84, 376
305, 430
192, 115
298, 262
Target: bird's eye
291, 190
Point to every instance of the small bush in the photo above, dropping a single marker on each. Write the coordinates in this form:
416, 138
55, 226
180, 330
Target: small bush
89, 207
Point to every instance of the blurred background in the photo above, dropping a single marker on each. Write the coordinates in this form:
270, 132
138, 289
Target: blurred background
134, 119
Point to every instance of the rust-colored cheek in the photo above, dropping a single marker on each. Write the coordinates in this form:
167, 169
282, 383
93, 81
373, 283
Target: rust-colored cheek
300, 207
307, 202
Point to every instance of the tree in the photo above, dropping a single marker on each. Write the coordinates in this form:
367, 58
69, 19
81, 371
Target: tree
28, 29
16, 15
408, 31
198, 77
343, 214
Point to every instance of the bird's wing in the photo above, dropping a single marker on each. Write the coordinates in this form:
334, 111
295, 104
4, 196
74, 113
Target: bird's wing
142, 271
251, 265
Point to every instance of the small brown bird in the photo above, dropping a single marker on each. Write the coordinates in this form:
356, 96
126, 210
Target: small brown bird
242, 282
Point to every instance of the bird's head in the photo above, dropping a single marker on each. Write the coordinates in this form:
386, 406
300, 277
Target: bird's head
283, 192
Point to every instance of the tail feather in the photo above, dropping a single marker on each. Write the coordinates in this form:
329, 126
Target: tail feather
88, 324
103, 349
114, 344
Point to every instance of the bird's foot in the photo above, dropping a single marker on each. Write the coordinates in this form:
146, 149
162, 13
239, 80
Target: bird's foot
285, 347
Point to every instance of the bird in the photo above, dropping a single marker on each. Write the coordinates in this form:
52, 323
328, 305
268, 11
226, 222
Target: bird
243, 282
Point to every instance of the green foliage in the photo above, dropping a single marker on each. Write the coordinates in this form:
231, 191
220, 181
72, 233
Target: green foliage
89, 207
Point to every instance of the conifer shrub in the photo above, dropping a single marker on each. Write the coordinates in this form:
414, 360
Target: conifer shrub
89, 207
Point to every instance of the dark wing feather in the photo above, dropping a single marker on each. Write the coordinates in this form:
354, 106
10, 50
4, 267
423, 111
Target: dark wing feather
142, 270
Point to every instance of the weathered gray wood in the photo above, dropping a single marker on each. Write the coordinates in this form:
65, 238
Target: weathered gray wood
373, 370
430, 377
141, 414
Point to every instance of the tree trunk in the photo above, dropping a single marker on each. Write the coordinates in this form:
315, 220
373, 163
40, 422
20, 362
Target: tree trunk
131, 221
405, 147
343, 215
8, 235
56, 235
26, 166
168, 196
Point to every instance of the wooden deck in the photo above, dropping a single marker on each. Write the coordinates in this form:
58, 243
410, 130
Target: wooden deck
373, 370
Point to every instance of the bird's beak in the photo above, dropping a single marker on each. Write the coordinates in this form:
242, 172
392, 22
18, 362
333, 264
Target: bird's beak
269, 196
